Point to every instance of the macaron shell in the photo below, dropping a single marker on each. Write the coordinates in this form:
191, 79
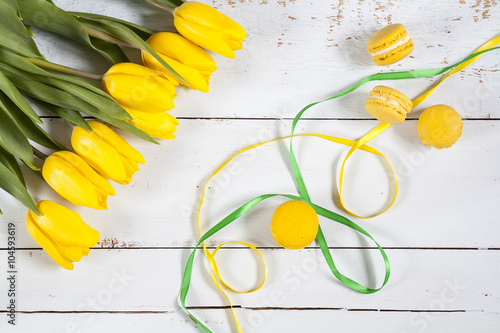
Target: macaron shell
294, 225
440, 126
385, 38
385, 111
395, 55
393, 94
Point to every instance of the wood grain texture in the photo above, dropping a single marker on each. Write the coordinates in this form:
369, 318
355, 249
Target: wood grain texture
159, 208
149, 280
256, 321
300, 52
441, 235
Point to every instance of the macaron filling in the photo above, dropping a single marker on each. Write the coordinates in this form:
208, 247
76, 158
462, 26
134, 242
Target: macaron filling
394, 46
400, 109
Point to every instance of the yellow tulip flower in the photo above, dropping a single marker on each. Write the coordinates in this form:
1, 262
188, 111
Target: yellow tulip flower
209, 28
71, 177
158, 125
188, 59
61, 233
139, 87
106, 151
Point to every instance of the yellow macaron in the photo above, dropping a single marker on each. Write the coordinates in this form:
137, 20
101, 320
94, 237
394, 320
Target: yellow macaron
440, 126
294, 225
388, 105
390, 44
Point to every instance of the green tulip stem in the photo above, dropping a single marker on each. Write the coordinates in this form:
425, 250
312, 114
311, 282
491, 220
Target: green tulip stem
63, 69
161, 6
107, 37
39, 154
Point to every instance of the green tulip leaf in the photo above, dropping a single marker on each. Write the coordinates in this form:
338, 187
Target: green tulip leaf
141, 31
29, 128
13, 139
170, 3
13, 33
58, 97
65, 94
10, 162
11, 184
125, 34
72, 116
49, 94
32, 65
97, 113
47, 16
13, 6
11, 91
64, 107
122, 124
114, 51
111, 107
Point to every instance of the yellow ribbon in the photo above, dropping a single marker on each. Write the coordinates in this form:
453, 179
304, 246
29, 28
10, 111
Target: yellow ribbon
355, 145
383, 126
219, 282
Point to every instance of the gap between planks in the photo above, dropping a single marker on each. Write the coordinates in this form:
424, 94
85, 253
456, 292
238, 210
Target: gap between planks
275, 248
227, 307
283, 118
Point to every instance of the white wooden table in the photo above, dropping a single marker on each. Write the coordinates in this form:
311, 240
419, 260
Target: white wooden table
442, 235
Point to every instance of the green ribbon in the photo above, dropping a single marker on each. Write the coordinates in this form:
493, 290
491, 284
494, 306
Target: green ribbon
304, 195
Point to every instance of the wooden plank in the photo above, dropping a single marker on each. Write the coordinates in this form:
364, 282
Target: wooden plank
447, 198
295, 53
292, 321
291, 45
149, 280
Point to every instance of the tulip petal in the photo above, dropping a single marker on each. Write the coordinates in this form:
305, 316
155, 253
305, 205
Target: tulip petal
177, 47
130, 168
84, 169
140, 87
209, 28
116, 141
72, 185
65, 226
98, 154
61, 233
195, 79
45, 242
208, 16
203, 37
158, 125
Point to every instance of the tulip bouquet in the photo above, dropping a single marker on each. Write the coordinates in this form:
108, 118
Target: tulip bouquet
133, 97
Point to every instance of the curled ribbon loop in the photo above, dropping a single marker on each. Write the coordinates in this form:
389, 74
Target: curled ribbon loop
218, 279
304, 195
357, 145
251, 247
383, 126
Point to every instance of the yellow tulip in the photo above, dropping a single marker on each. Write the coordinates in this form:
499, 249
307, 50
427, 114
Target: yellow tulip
158, 125
209, 28
106, 151
139, 87
61, 233
71, 177
188, 59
